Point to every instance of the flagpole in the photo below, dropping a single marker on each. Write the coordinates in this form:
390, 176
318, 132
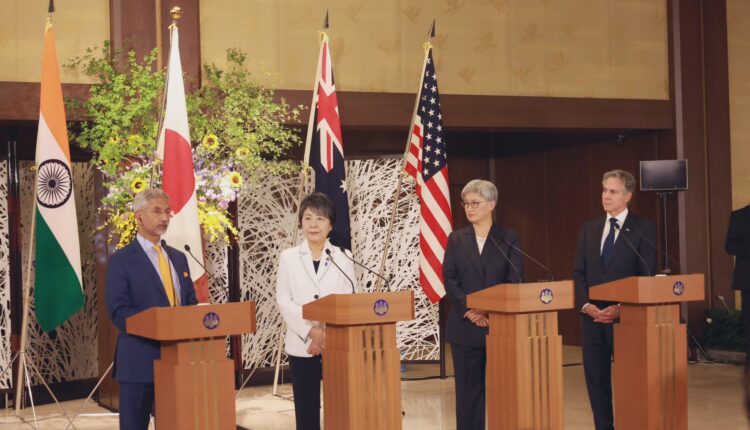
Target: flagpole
26, 301
303, 177
401, 172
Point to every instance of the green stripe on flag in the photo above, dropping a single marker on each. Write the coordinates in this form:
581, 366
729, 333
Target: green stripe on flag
57, 290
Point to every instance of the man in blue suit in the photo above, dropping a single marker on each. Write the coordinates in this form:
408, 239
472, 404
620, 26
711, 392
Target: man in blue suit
144, 274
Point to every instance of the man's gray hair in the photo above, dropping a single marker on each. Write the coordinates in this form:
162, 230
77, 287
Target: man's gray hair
141, 199
486, 189
625, 176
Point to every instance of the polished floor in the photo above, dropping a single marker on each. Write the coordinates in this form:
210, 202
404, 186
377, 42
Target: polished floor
715, 402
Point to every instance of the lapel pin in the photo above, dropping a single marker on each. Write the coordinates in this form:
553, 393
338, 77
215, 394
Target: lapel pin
185, 274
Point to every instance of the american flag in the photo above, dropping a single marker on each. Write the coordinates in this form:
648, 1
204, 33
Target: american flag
426, 162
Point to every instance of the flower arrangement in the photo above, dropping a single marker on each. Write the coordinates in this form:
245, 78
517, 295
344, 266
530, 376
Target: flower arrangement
240, 136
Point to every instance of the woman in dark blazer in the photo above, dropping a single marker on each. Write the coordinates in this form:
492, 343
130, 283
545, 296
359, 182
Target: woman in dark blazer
477, 257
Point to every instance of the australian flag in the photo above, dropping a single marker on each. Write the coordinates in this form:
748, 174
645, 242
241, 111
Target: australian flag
327, 148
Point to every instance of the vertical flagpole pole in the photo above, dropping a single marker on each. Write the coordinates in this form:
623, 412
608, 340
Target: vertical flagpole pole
401, 172
26, 303
303, 180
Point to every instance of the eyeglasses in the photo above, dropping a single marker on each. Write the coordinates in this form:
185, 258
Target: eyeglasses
473, 204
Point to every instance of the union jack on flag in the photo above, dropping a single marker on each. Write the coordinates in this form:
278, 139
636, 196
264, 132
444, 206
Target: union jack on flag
426, 162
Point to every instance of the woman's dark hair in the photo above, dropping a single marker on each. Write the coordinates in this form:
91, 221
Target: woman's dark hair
319, 204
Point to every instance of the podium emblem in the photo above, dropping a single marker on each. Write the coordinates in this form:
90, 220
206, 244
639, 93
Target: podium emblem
546, 296
380, 307
211, 320
678, 288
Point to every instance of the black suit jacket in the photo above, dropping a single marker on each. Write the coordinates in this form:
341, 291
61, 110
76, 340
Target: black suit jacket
589, 270
466, 271
738, 244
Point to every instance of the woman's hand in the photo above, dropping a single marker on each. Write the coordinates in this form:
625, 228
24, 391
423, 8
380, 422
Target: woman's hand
318, 344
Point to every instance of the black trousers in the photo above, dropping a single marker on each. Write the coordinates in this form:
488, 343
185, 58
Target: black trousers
598, 346
469, 364
136, 405
745, 297
306, 375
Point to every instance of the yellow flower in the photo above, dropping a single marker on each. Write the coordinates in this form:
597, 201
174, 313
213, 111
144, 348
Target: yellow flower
114, 139
235, 179
211, 142
242, 152
137, 185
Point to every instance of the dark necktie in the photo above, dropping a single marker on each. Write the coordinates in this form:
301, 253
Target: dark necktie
609, 242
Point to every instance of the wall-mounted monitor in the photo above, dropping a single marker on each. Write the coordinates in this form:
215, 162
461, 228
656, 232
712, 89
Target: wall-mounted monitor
664, 175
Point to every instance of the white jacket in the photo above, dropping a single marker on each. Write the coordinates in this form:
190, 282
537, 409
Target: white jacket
298, 284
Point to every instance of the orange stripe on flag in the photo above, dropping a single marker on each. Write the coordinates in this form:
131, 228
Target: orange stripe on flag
51, 99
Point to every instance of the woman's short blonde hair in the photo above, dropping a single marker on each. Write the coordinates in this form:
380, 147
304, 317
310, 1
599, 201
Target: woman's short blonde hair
486, 189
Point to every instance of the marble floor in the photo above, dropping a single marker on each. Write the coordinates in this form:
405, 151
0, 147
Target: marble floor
715, 402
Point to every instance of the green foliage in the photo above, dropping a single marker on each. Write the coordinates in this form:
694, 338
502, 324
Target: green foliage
236, 127
724, 330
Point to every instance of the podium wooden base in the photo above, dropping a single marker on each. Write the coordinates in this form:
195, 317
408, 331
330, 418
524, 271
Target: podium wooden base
361, 378
650, 368
524, 384
190, 386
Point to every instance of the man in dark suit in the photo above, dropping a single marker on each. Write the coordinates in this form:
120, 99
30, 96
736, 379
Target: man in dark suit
476, 257
606, 251
738, 244
142, 275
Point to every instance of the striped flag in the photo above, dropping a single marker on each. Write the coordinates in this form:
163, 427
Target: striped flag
58, 292
178, 174
426, 162
326, 147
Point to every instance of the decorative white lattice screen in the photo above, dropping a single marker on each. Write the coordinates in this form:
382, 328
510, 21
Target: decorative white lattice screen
5, 353
266, 221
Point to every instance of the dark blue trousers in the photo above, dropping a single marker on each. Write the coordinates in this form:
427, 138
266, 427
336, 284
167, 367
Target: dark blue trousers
136, 405
469, 365
306, 375
598, 345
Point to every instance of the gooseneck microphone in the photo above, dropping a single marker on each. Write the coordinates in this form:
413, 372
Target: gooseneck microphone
387, 283
506, 257
187, 248
644, 238
330, 258
630, 244
171, 279
538, 263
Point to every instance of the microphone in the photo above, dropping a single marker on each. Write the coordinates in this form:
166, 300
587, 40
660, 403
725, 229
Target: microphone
549, 272
387, 284
328, 253
171, 280
506, 257
630, 244
187, 248
666, 271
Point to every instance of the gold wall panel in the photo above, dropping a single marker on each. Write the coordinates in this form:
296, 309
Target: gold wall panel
738, 33
79, 24
565, 48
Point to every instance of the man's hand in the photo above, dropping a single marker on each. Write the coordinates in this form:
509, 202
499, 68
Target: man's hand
608, 315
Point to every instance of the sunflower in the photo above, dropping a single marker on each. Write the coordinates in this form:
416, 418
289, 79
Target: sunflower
235, 179
242, 152
137, 185
211, 142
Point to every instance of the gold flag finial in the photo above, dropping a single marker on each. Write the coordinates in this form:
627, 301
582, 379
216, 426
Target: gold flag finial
176, 13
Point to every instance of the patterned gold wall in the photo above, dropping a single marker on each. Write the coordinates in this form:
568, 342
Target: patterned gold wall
571, 48
738, 29
79, 24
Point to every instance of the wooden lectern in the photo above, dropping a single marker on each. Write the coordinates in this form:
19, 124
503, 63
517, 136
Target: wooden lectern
361, 363
524, 353
194, 379
650, 368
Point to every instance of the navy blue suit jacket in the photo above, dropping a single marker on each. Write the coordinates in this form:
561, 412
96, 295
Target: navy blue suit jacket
465, 271
133, 285
589, 270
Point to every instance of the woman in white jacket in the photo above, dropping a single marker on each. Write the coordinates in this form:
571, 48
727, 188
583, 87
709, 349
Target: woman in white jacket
306, 273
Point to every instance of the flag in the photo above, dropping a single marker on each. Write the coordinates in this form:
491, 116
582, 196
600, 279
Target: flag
426, 162
58, 292
326, 148
178, 174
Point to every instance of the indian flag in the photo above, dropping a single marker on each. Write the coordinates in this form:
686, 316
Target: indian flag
57, 287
